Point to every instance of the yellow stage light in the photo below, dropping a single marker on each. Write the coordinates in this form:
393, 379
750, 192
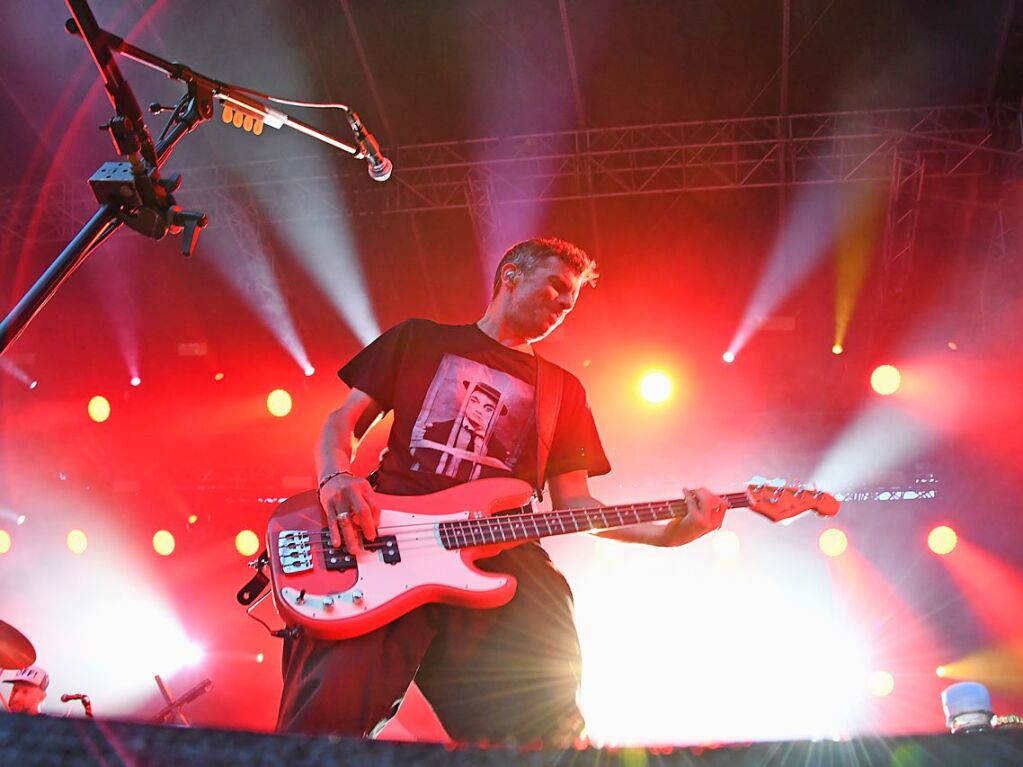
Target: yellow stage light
5, 541
881, 684
163, 543
278, 402
942, 540
77, 541
886, 379
656, 387
247, 543
837, 349
833, 542
193, 518
99, 408
726, 545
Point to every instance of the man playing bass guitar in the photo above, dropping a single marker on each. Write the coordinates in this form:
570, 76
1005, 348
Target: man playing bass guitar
466, 407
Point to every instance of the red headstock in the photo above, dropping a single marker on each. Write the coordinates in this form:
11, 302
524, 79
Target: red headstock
780, 502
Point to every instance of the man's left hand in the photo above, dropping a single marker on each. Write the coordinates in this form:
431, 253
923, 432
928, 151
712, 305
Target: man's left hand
704, 512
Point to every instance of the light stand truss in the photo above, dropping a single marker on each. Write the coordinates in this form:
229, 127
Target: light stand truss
480, 175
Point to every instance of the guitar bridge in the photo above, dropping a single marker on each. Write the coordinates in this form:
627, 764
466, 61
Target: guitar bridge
341, 560
294, 551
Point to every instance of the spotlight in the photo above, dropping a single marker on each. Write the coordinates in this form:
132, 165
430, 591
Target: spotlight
953, 345
886, 379
247, 543
135, 381
33, 385
309, 370
278, 402
259, 657
940, 671
728, 357
942, 540
833, 542
218, 377
837, 349
163, 543
99, 408
656, 387
193, 518
5, 542
77, 541
21, 519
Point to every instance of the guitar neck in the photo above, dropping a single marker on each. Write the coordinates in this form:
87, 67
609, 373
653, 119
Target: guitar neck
528, 526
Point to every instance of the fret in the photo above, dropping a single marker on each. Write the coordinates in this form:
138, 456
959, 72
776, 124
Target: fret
532, 518
500, 527
603, 518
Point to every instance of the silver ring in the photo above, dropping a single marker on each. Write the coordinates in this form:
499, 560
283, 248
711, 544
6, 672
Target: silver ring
343, 516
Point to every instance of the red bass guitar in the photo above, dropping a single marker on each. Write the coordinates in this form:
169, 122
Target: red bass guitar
427, 544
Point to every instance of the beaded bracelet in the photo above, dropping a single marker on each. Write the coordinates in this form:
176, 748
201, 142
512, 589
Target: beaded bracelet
331, 476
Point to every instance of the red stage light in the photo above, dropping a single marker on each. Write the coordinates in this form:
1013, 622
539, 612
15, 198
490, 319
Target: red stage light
886, 379
942, 540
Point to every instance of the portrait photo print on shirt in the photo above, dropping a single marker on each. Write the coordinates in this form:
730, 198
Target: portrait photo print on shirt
473, 422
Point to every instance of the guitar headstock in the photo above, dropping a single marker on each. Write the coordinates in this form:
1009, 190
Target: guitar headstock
778, 501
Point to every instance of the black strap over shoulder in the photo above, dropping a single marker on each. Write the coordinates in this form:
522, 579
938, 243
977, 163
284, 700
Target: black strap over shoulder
550, 385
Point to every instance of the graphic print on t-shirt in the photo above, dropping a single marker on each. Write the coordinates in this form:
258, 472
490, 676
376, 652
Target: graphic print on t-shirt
473, 422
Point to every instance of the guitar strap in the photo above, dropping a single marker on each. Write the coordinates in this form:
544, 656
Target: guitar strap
550, 384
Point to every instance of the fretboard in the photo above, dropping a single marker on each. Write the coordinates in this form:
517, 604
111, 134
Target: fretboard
525, 525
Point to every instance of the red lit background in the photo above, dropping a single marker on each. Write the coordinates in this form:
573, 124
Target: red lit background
304, 262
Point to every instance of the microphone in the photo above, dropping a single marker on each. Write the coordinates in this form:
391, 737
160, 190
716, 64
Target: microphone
379, 166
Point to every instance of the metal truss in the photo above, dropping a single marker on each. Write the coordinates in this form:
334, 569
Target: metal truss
481, 175
923, 488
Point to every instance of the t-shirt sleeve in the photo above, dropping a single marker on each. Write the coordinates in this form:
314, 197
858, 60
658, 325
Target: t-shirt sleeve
375, 369
576, 444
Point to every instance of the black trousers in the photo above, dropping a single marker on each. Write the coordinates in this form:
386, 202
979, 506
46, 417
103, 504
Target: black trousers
509, 672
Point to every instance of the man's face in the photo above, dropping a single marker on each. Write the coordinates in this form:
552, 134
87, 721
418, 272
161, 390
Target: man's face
543, 298
479, 410
26, 698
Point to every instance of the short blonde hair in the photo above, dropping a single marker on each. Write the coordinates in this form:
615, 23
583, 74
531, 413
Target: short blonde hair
527, 254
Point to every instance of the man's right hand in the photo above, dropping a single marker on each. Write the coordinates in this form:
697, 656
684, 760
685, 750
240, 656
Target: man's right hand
349, 506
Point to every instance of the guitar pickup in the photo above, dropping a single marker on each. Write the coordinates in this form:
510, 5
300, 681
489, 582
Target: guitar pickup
340, 559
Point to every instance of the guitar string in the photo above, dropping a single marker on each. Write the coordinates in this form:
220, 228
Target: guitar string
733, 498
464, 533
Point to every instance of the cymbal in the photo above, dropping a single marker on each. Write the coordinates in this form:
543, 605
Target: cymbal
15, 650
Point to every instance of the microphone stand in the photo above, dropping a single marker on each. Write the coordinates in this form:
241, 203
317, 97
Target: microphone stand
132, 192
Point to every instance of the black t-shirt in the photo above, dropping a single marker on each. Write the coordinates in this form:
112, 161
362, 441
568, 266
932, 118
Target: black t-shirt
464, 409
